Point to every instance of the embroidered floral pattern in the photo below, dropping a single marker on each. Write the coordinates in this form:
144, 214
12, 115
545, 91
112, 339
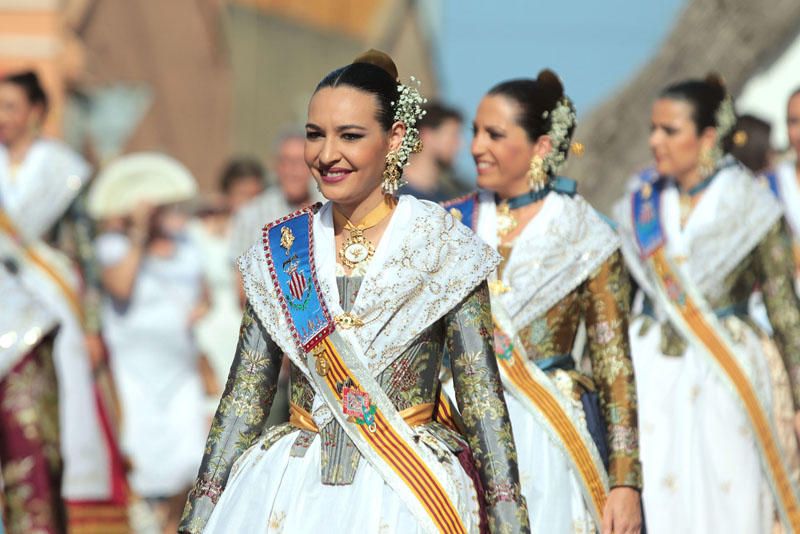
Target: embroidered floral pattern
774, 263
29, 449
479, 392
602, 302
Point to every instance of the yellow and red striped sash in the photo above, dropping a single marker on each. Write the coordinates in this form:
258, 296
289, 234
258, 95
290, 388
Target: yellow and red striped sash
393, 449
445, 413
533, 388
689, 312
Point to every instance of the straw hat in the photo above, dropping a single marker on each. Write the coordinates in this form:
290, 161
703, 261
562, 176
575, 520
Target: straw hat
143, 177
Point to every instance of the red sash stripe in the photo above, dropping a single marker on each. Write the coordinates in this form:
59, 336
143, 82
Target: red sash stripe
403, 460
560, 421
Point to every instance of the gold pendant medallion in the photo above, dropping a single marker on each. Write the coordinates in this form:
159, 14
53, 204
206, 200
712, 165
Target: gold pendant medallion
322, 366
356, 249
506, 222
321, 363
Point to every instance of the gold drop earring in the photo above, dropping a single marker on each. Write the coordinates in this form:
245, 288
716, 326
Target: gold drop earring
537, 177
706, 164
391, 173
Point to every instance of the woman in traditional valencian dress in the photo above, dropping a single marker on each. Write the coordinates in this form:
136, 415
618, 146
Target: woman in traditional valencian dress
697, 245
561, 265
42, 212
364, 295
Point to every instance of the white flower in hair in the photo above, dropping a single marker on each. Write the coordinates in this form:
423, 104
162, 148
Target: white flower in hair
408, 110
562, 120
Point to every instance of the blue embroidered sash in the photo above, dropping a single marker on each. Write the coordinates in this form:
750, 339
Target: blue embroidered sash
291, 263
647, 219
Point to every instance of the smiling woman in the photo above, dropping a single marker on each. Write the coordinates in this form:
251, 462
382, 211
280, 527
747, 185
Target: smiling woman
575, 432
698, 239
364, 295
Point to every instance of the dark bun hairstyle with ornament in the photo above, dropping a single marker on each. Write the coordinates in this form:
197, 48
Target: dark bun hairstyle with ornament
704, 96
373, 72
536, 100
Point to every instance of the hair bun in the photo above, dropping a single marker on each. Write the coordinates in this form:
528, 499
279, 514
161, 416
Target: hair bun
715, 80
548, 78
550, 85
379, 59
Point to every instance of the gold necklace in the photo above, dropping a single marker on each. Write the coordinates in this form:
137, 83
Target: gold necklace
506, 222
357, 248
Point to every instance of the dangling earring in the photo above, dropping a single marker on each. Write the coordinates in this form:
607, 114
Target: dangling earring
391, 173
706, 165
537, 177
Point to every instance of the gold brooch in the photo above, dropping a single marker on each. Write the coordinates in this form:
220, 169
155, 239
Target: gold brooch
347, 321
287, 238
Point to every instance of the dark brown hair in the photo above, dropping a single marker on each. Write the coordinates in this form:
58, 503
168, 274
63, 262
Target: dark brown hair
536, 100
704, 96
28, 81
373, 72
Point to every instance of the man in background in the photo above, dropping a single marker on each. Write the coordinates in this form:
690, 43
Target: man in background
430, 173
292, 190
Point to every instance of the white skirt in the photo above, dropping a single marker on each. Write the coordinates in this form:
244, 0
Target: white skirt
164, 436
553, 493
702, 471
555, 499
270, 491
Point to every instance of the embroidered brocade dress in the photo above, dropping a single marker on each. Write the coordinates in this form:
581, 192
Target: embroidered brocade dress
702, 470
565, 269
306, 477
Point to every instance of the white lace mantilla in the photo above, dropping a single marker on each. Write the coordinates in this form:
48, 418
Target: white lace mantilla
425, 264
560, 248
730, 219
44, 186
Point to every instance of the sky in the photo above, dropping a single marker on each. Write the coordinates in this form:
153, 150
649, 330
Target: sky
594, 45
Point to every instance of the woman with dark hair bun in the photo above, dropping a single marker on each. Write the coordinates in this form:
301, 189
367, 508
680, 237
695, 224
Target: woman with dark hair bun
698, 241
575, 431
56, 440
363, 294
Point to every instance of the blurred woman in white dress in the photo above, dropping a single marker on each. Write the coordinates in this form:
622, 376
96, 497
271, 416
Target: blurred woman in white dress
152, 273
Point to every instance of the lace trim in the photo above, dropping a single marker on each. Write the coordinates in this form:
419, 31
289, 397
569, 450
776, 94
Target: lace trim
542, 270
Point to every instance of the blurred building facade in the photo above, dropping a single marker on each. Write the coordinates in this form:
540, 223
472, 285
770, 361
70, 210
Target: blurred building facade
198, 79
